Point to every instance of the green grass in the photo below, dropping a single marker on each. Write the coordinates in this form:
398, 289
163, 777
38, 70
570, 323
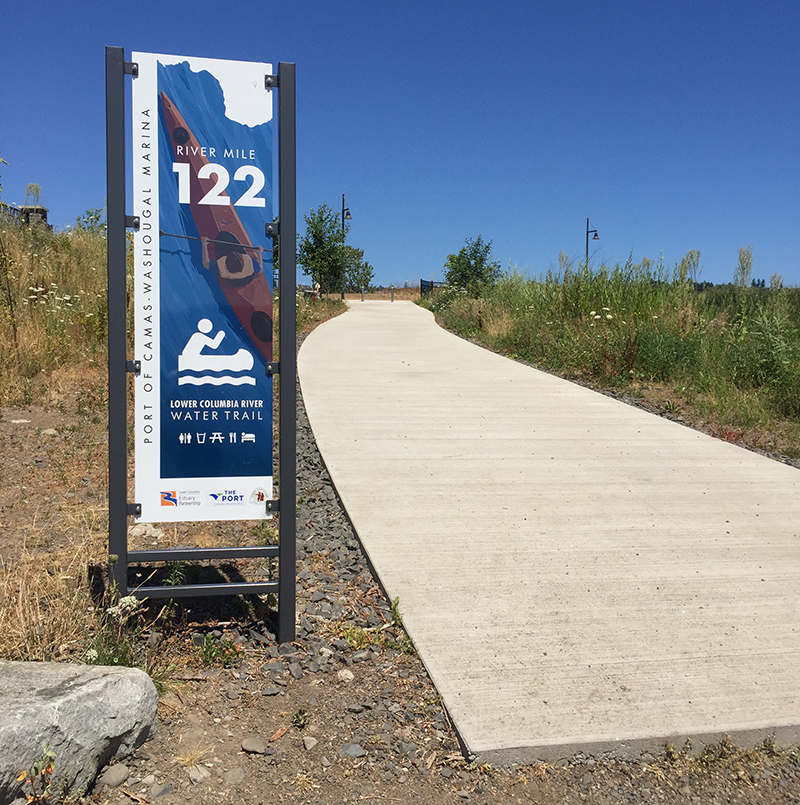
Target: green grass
728, 354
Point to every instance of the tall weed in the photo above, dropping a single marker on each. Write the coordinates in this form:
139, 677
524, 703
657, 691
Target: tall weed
735, 346
54, 303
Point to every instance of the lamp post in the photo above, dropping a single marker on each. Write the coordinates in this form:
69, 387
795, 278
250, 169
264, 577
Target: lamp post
595, 236
345, 217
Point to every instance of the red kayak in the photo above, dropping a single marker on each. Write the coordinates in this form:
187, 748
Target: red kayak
224, 238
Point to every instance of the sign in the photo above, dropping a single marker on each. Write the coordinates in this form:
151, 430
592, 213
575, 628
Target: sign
203, 191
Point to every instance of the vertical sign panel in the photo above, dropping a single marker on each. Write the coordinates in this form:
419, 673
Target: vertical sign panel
203, 190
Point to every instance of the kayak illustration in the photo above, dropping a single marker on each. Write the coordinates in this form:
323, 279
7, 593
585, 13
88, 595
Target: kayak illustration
227, 251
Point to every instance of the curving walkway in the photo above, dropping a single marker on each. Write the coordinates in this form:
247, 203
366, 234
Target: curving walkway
577, 574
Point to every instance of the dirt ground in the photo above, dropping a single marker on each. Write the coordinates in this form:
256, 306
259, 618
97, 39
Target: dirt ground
345, 713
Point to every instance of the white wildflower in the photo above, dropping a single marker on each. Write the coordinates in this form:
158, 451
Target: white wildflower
128, 603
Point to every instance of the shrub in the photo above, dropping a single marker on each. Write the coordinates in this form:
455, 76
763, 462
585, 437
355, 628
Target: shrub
472, 269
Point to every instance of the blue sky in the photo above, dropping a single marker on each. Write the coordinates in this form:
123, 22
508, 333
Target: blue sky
671, 125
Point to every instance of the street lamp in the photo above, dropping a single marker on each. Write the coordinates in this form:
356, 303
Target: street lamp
595, 236
345, 217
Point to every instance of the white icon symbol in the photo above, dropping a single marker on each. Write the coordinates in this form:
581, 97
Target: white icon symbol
201, 438
232, 438
185, 438
194, 359
248, 437
216, 437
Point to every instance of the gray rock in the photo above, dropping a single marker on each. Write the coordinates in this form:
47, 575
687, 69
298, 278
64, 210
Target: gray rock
160, 790
114, 775
352, 750
270, 691
197, 774
146, 531
296, 670
88, 714
233, 777
309, 743
154, 640
254, 745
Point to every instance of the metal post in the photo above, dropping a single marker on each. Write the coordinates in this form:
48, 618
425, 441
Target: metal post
587, 243
596, 237
344, 258
287, 406
117, 303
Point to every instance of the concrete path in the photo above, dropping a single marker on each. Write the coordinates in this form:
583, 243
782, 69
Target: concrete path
577, 574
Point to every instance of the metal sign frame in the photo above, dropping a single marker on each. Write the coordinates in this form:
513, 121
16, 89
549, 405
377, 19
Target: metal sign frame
119, 509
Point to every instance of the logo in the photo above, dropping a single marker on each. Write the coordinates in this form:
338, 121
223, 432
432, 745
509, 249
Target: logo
169, 498
230, 497
258, 495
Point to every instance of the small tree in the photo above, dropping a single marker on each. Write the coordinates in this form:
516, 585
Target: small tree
472, 268
33, 193
359, 273
744, 269
320, 252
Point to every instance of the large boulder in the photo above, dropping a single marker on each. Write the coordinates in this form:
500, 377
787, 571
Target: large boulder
89, 714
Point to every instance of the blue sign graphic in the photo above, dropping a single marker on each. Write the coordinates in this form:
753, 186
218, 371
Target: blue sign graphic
215, 198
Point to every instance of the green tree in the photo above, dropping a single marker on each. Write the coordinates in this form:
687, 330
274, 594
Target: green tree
359, 274
321, 250
472, 268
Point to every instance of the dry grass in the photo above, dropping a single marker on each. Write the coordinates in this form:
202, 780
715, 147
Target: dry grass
54, 309
193, 756
304, 783
46, 608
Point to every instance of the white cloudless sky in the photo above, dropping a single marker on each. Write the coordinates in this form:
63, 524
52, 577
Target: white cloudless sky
670, 125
